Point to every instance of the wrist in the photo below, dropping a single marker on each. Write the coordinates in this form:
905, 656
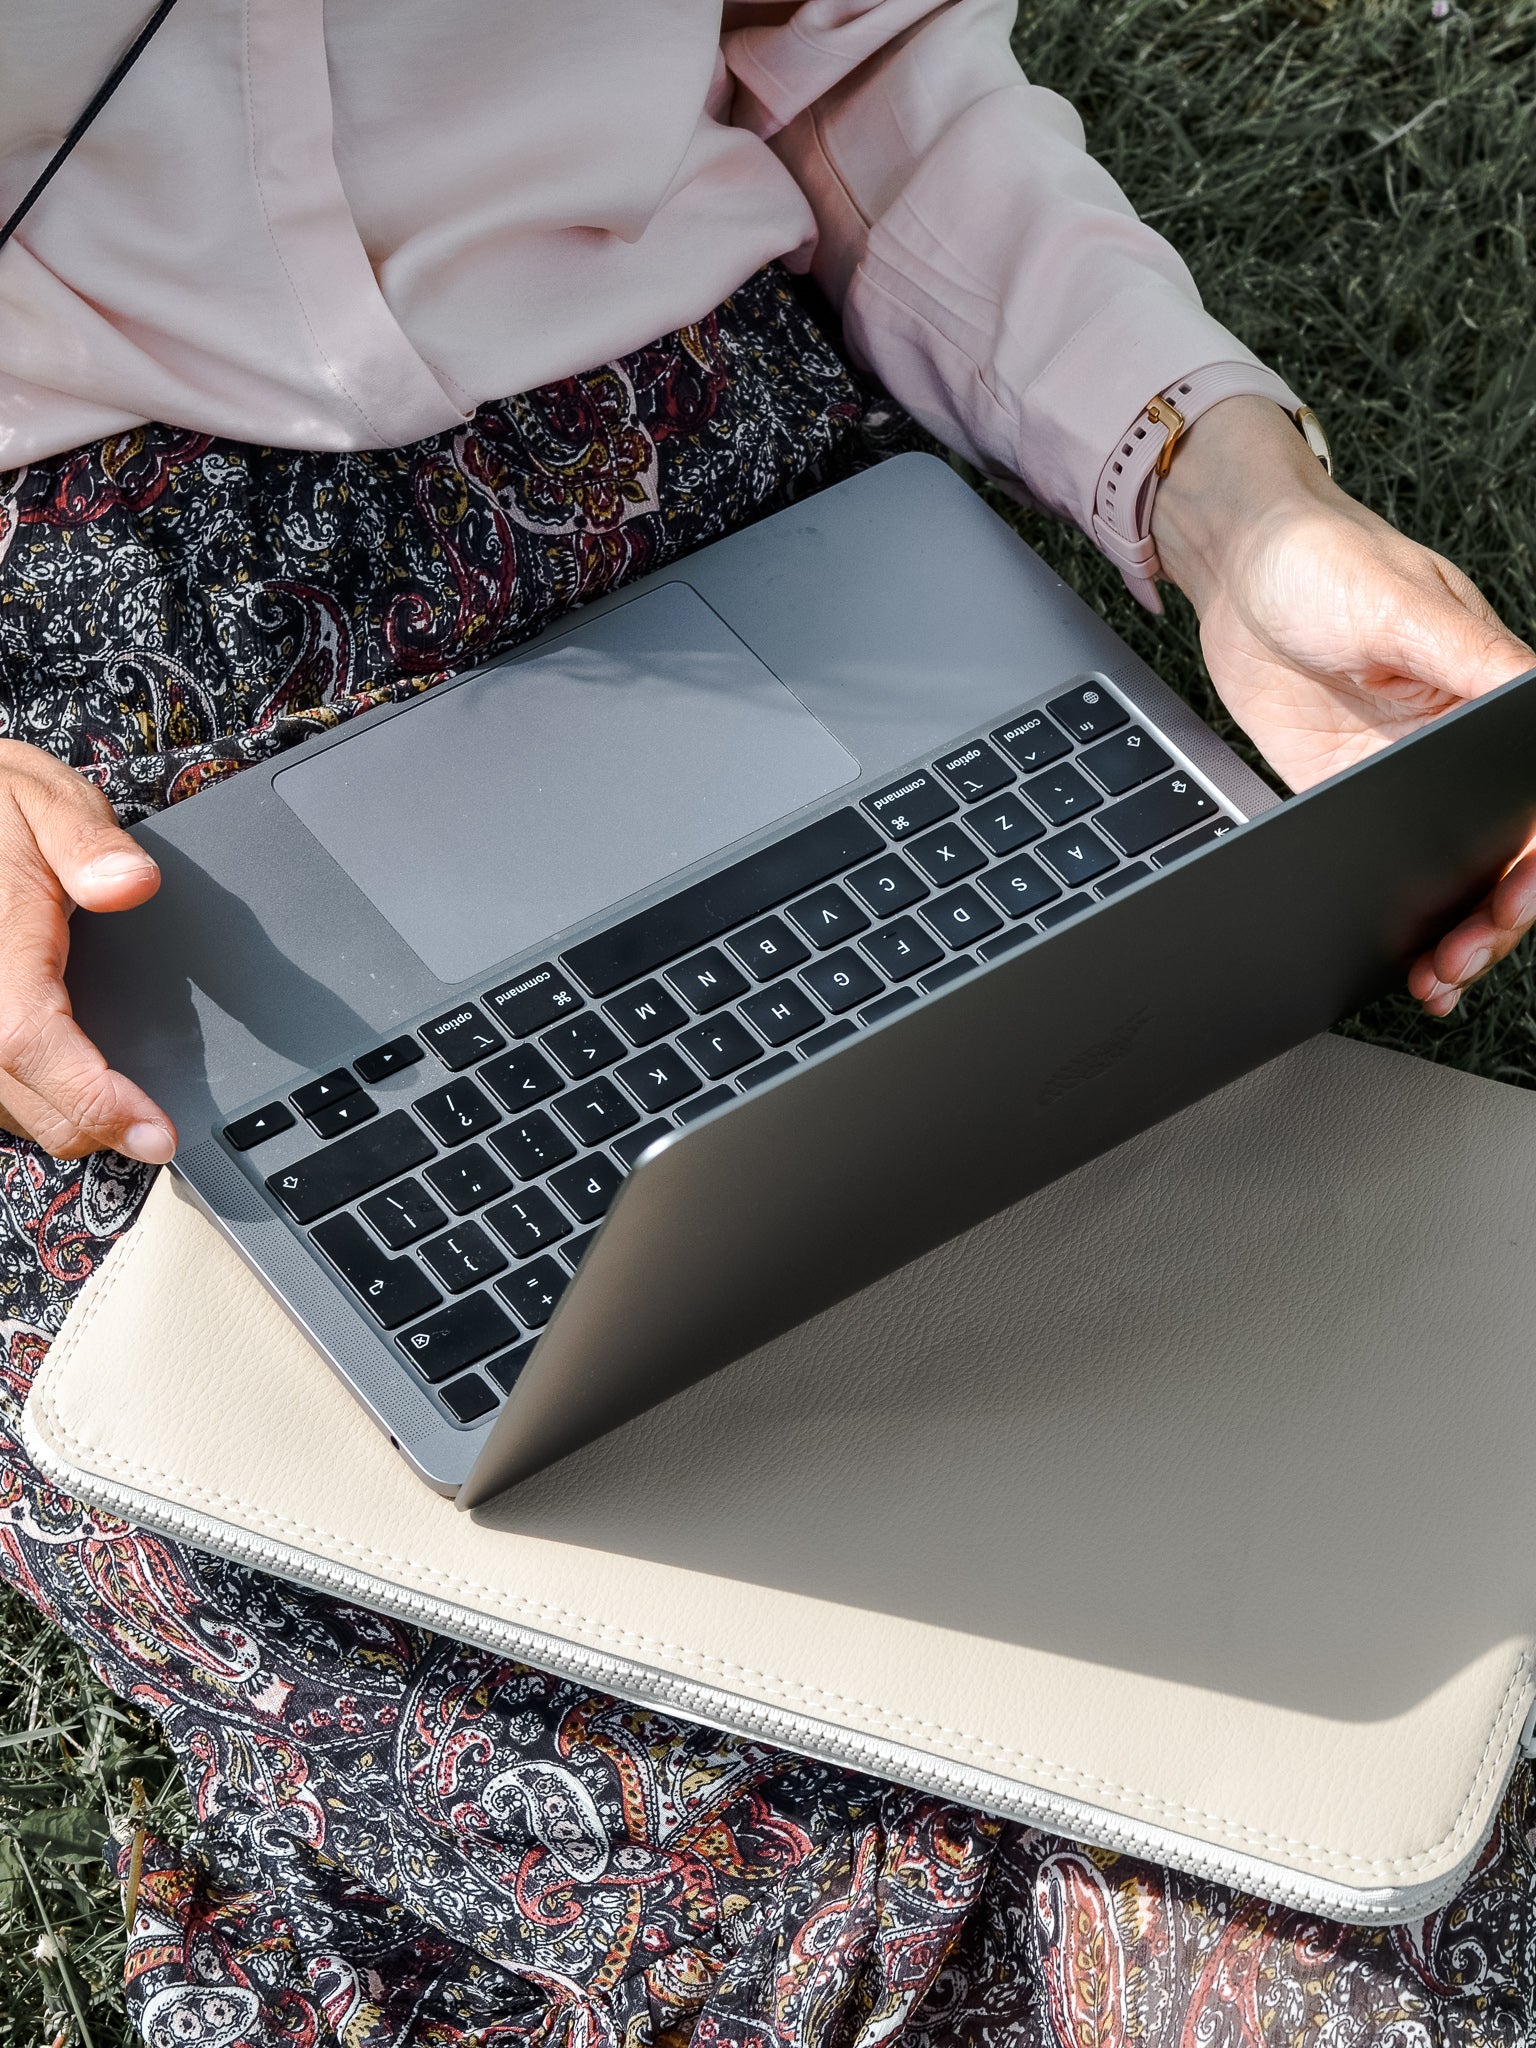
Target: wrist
1240, 470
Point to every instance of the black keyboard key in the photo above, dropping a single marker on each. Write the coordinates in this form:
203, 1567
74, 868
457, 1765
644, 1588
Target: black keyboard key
768, 948
633, 1143
574, 1250
588, 1187
582, 1045
907, 806
901, 949
456, 1112
355, 1165
468, 1180
941, 977
1032, 740
528, 1223
659, 1078
887, 885
1020, 886
345, 1115
394, 1291
462, 1037
888, 1005
597, 1112
459, 1335
532, 1291
522, 1078
1124, 762
1078, 856
822, 1041
403, 1213
961, 917
504, 1370
646, 1012
385, 1060
708, 980
1113, 884
703, 1104
1005, 824
1009, 942
947, 855
538, 996
463, 1257
974, 771
1088, 712
720, 1045
1061, 794
331, 1087
828, 917
721, 902
1058, 913
781, 1013
467, 1399
1207, 835
841, 980
767, 1070
533, 1145
1153, 815
259, 1125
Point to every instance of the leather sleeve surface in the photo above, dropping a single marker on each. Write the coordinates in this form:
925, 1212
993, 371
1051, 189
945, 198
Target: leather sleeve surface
1183, 1507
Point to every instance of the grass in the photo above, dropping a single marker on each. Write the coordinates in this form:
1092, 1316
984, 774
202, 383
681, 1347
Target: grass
1352, 184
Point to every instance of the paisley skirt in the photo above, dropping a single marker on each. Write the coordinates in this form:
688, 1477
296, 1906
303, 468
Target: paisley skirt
398, 1839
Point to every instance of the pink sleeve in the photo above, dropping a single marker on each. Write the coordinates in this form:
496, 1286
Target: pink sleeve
988, 270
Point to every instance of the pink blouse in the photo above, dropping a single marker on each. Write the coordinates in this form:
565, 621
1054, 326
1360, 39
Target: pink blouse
344, 223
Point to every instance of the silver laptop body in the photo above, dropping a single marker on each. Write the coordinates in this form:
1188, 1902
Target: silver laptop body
552, 1039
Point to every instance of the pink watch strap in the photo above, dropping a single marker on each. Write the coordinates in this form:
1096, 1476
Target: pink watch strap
1122, 506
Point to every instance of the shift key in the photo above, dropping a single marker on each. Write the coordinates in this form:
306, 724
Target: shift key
1156, 813
353, 1166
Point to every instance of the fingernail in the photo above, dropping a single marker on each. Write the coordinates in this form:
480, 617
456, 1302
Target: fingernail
120, 867
152, 1143
1476, 964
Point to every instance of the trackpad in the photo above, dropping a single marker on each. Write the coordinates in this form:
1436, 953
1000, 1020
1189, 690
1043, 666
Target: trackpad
497, 812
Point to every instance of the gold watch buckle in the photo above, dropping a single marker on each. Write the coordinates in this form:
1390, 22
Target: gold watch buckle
1311, 430
1163, 413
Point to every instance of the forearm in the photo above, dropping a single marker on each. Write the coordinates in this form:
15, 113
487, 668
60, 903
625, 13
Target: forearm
992, 273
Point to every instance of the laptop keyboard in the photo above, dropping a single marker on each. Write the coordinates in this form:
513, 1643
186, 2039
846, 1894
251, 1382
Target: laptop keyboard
458, 1217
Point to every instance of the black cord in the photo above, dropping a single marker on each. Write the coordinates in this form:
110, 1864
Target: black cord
93, 107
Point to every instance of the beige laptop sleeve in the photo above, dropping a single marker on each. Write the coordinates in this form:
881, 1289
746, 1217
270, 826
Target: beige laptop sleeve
1184, 1508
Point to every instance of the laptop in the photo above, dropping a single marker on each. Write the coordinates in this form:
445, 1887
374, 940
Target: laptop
564, 1034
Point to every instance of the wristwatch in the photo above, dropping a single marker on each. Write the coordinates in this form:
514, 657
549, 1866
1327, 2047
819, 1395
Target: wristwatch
1122, 508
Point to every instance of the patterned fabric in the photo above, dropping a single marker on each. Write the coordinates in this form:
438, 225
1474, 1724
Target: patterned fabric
402, 1840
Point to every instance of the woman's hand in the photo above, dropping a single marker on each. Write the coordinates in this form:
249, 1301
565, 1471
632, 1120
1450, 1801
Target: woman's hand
1329, 634
60, 845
